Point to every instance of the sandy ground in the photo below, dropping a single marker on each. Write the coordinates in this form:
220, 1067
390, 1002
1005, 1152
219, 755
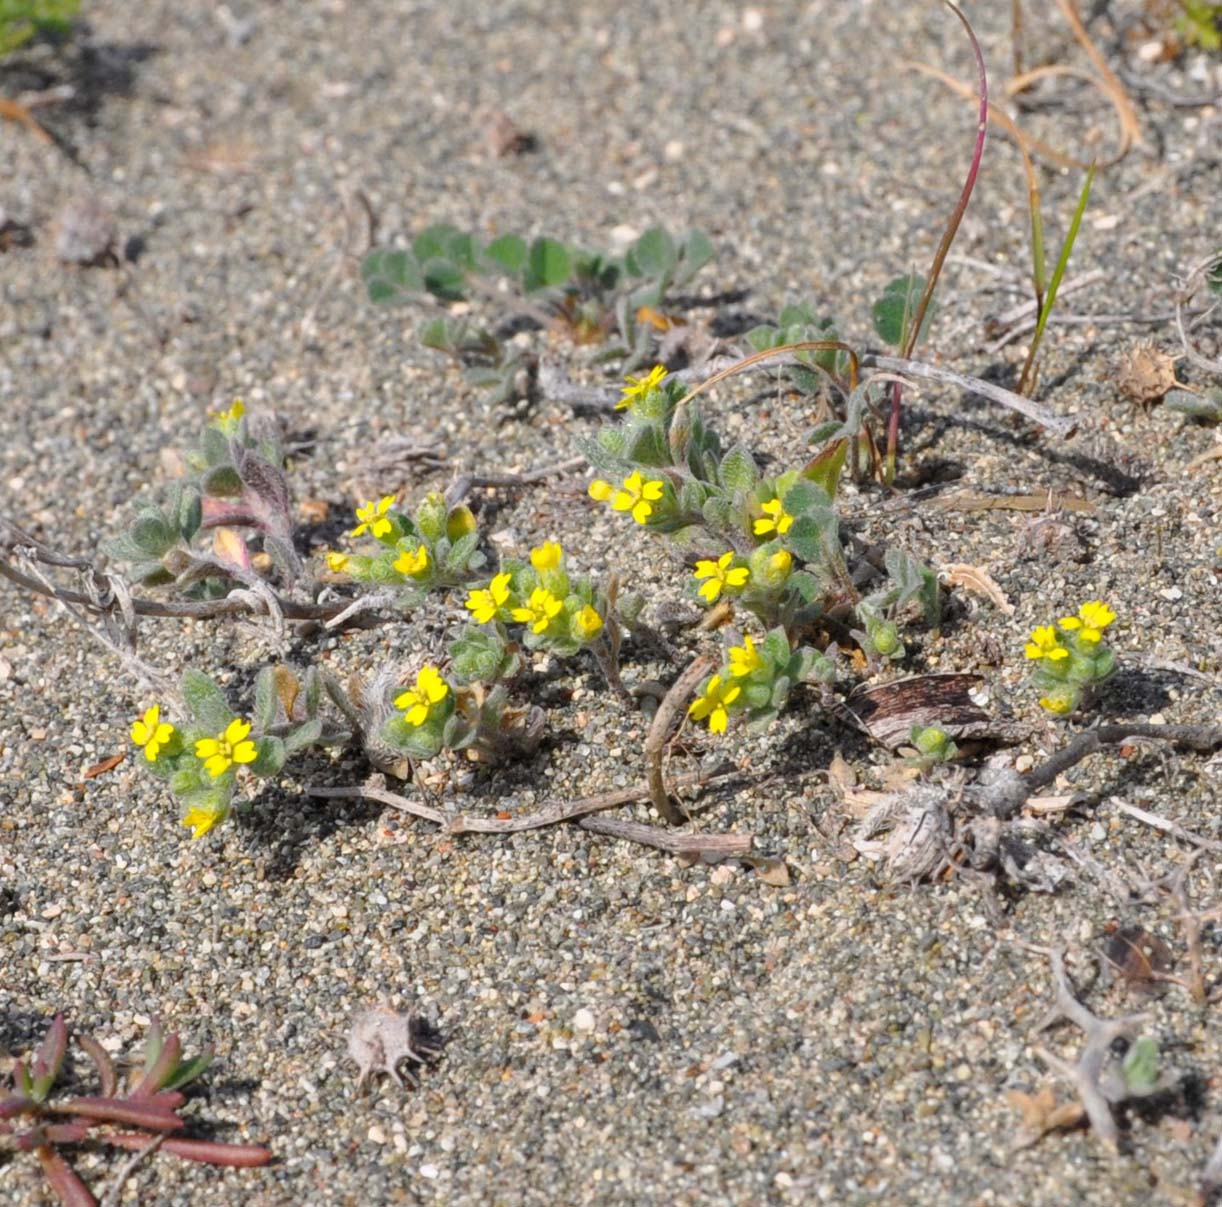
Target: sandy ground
619, 1028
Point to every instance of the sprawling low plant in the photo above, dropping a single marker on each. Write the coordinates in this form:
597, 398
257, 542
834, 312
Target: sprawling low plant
592, 297
35, 1118
234, 490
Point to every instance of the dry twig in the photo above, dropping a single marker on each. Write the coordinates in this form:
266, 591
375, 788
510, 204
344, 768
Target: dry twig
659, 732
576, 811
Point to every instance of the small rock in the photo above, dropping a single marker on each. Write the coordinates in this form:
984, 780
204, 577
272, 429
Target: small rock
85, 233
583, 1020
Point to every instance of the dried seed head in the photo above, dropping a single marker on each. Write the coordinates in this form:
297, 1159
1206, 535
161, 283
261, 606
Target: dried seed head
381, 1038
1145, 374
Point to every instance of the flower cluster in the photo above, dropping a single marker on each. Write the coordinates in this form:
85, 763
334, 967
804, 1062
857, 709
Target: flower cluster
756, 680
200, 761
561, 614
1071, 656
635, 495
435, 548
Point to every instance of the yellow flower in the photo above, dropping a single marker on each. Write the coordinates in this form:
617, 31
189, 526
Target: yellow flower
587, 623
638, 387
713, 704
337, 563
202, 820
232, 746
539, 611
412, 563
485, 604
1045, 643
744, 659
780, 563
636, 496
418, 701
601, 490
1060, 704
720, 575
227, 421
775, 519
546, 556
152, 733
373, 517
1091, 620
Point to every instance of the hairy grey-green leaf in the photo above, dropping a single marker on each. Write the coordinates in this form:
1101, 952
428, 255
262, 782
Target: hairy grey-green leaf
264, 715
270, 758
206, 701
653, 255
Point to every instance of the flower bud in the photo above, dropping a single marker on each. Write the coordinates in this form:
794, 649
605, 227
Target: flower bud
460, 522
884, 637
771, 567
431, 517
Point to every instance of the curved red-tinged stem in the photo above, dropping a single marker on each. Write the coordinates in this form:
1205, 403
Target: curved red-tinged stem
213, 1152
156, 1114
64, 1180
948, 237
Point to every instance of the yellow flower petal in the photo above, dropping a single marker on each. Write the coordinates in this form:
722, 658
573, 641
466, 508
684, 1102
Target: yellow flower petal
546, 556
201, 820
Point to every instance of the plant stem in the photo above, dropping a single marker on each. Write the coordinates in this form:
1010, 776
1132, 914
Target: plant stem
948, 237
1054, 284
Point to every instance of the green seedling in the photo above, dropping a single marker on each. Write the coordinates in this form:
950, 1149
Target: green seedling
593, 297
1071, 657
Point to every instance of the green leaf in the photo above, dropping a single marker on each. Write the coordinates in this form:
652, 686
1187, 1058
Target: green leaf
188, 1071
757, 695
439, 333
1140, 1066
270, 760
214, 445
460, 552
206, 701
653, 255
806, 497
775, 647
815, 539
301, 737
764, 337
214, 799
435, 241
265, 699
549, 265
312, 691
477, 655
894, 311
416, 741
915, 581
694, 253
391, 276
648, 446
190, 512
796, 314
825, 468
186, 780
444, 279
152, 535
1206, 408
1213, 279
738, 471
613, 441
221, 482
508, 252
